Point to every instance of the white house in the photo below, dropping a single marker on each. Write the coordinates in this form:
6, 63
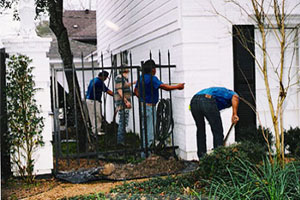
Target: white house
199, 36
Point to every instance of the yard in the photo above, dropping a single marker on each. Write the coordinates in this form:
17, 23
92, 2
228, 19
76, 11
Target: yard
240, 171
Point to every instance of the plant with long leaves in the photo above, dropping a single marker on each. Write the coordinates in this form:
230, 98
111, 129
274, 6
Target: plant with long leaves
267, 181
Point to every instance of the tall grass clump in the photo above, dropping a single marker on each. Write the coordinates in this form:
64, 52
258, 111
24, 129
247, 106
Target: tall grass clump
269, 181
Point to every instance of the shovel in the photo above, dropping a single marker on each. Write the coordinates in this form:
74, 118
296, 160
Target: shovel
227, 135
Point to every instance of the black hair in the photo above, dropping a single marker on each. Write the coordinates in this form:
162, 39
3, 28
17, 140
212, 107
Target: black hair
103, 73
148, 66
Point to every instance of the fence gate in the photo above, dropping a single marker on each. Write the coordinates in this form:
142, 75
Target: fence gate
5, 158
80, 142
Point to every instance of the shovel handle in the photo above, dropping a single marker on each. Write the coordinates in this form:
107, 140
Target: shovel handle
227, 135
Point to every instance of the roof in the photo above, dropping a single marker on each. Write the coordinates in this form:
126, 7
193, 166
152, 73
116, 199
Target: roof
81, 24
88, 32
76, 48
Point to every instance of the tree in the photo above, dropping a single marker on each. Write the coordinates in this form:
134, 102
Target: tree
271, 18
55, 10
24, 120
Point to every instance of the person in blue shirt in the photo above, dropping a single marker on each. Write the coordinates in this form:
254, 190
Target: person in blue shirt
207, 103
150, 97
93, 100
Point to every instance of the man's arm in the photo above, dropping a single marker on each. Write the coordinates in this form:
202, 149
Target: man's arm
136, 92
110, 92
235, 105
130, 83
167, 87
126, 102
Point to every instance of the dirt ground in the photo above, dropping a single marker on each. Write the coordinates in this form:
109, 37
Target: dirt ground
56, 189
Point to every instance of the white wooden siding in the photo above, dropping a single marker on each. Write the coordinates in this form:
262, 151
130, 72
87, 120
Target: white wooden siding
139, 22
200, 41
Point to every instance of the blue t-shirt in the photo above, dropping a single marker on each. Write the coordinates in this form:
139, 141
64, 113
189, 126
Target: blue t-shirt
155, 85
99, 88
222, 96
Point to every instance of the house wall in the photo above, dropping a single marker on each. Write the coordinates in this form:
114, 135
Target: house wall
207, 60
198, 35
143, 26
291, 105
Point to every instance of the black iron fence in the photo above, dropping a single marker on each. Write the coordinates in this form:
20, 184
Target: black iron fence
5, 153
102, 137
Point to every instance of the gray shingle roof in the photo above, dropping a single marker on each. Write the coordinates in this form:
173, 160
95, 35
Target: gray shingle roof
76, 48
81, 25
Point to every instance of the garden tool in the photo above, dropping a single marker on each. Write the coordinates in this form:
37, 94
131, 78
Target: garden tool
227, 135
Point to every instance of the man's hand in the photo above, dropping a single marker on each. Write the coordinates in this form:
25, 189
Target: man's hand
110, 93
235, 104
180, 86
235, 119
167, 87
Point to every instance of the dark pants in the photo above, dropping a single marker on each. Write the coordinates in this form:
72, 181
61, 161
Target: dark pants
201, 107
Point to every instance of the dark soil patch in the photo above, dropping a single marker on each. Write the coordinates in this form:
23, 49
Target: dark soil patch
152, 166
53, 188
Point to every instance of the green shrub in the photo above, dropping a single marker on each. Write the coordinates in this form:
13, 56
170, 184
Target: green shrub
216, 163
254, 135
24, 121
292, 141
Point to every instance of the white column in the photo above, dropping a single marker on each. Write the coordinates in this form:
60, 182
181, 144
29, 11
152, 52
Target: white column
26, 42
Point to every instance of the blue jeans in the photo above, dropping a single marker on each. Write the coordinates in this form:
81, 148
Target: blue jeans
150, 116
123, 122
206, 107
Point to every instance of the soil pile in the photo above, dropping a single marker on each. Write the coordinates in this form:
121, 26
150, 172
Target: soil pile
152, 166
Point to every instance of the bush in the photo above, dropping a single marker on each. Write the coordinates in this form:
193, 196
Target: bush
24, 123
254, 135
292, 141
216, 163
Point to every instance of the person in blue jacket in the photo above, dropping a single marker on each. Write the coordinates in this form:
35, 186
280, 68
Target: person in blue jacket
150, 97
93, 100
207, 103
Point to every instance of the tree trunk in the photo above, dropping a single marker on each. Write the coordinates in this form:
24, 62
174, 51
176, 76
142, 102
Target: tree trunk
64, 49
